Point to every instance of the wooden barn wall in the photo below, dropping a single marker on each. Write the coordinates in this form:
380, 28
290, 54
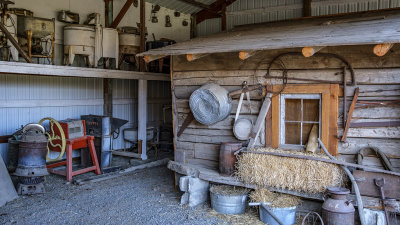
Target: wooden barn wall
377, 77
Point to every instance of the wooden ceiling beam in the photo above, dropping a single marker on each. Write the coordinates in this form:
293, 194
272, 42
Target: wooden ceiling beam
215, 9
122, 13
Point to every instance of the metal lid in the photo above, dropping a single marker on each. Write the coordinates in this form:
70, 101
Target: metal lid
242, 129
338, 190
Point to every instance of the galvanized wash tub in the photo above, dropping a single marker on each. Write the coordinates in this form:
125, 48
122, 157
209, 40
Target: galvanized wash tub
286, 215
228, 204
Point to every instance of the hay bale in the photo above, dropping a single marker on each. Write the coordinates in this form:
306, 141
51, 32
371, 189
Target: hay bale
276, 200
288, 173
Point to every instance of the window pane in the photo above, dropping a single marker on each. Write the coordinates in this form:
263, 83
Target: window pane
311, 110
293, 110
292, 133
306, 132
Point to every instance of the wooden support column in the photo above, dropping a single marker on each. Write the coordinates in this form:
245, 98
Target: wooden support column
107, 82
306, 8
142, 116
108, 4
223, 18
142, 89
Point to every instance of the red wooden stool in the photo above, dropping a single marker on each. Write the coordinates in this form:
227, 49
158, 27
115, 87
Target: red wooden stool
73, 144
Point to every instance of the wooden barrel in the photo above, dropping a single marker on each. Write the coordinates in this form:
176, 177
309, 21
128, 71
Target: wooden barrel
227, 159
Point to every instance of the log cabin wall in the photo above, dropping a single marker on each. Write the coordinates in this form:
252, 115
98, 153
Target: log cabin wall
377, 77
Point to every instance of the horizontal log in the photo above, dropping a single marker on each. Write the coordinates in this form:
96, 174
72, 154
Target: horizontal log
375, 124
237, 77
208, 164
358, 56
353, 145
183, 106
226, 124
206, 139
370, 161
380, 132
184, 92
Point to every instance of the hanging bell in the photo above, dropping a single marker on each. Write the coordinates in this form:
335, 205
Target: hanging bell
168, 21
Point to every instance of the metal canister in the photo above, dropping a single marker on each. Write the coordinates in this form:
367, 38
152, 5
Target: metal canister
337, 210
227, 158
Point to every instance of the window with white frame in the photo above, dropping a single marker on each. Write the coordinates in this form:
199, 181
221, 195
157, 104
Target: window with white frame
299, 113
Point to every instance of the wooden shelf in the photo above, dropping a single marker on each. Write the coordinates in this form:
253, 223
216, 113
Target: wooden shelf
213, 176
68, 71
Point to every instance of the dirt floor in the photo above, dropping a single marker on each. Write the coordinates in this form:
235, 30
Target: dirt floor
143, 197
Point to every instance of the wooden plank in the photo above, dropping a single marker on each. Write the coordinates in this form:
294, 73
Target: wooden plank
184, 92
226, 124
206, 139
183, 107
237, 77
66, 71
142, 116
349, 116
275, 120
127, 154
380, 132
388, 146
333, 125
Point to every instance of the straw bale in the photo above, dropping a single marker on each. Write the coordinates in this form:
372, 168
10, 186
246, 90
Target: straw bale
288, 173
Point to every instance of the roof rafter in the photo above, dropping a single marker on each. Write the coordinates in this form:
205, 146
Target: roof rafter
215, 8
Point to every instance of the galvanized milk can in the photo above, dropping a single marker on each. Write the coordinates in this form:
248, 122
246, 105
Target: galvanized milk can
337, 210
227, 158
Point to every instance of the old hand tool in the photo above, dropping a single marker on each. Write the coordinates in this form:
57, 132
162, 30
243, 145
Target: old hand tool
380, 182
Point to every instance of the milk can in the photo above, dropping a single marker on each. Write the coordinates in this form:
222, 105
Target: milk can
337, 210
227, 158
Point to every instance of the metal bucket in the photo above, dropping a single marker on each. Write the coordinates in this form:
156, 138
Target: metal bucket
210, 104
286, 215
228, 204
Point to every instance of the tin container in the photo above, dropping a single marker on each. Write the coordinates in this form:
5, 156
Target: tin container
337, 210
227, 158
228, 204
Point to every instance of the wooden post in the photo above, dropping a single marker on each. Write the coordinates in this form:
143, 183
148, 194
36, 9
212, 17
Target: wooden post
107, 83
142, 65
142, 116
306, 8
382, 49
109, 6
310, 51
223, 18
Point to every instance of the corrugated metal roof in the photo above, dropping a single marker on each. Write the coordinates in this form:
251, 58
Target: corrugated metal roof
180, 6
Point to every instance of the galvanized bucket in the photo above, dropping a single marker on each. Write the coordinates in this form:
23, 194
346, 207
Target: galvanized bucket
210, 104
286, 215
228, 204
